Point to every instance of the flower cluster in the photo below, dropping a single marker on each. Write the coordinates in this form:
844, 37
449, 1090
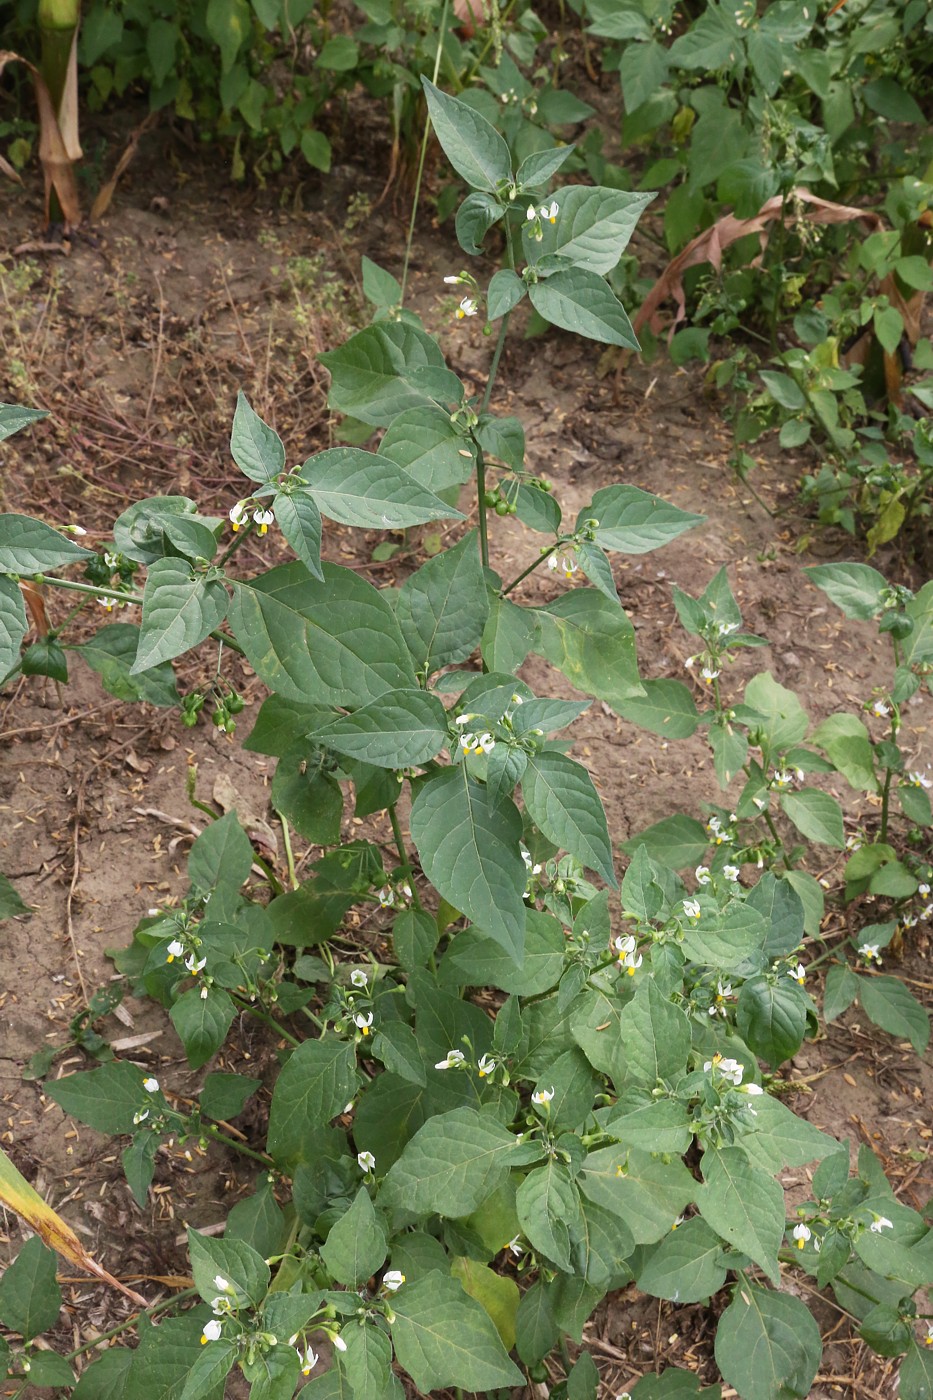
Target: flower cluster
563, 563
629, 960
783, 778
536, 218
486, 1066
721, 835
238, 515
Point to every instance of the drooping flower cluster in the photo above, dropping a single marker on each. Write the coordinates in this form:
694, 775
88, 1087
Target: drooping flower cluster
239, 515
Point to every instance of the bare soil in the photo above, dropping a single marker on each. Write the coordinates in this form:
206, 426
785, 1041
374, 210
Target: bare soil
137, 336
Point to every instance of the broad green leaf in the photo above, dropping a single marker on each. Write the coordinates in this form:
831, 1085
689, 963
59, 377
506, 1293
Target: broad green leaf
496, 1295
165, 526
810, 892
592, 642
675, 842
106, 1099
335, 642
45, 657
13, 418
245, 1270
647, 1193
47, 1368
887, 1002
180, 608
655, 1037
402, 729
379, 286
370, 491
299, 519
536, 169
414, 937
206, 1377
635, 522
915, 1381
224, 1095
469, 850
11, 906
356, 1245
847, 743
202, 1022
30, 1298
602, 1246
509, 634
593, 227
396, 1045
443, 1337
730, 747
687, 1266
475, 217
451, 1165
538, 509
318, 1079
816, 815
725, 939
255, 447
743, 1204
561, 799
779, 1138
505, 291
474, 147
387, 368
768, 1344
771, 1018
221, 857
842, 987
426, 444
918, 647
580, 301
28, 546
658, 1125
548, 1206
475, 961
111, 652
367, 1359
229, 23
442, 607
855, 588
535, 1328
784, 720
13, 623
780, 904
667, 708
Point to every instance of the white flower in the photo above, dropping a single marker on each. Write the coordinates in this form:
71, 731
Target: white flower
237, 515
221, 1284
753, 1089
363, 1020
731, 872
359, 977
487, 1065
516, 1247
339, 1343
406, 890
723, 990
151, 1085
928, 1339
917, 779
109, 603
453, 1060
692, 908
468, 307
174, 950
729, 1069
782, 778
308, 1360
366, 1161
220, 1306
709, 675
798, 973
193, 965
263, 518
463, 719
526, 857
679, 1221
531, 214
211, 1331
924, 890
393, 1280
631, 962
542, 1096
624, 945
76, 530
550, 211
453, 280
880, 1222
880, 709
853, 843
909, 920
725, 629
869, 951
141, 1115
386, 896
477, 743
702, 874
203, 993
801, 1234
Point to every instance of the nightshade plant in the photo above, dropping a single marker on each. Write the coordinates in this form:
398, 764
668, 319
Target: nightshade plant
612, 1121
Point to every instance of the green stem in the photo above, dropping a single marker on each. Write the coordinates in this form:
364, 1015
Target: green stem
90, 589
218, 1136
481, 507
496, 356
774, 832
267, 1020
289, 855
441, 33
242, 534
885, 799
536, 564
402, 852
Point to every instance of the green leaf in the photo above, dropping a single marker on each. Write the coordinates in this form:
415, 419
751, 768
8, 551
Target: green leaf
45, 657
202, 1022
779, 1138
316, 149
30, 1298
667, 708
816, 815
592, 642
318, 1079
379, 286
842, 987
772, 1018
888, 1003
28, 546
561, 799
915, 1381
245, 1270
335, 642
427, 445
687, 1266
768, 1345
784, 390
855, 588
387, 368
229, 24
402, 729
780, 904
370, 491
13, 418
414, 937
535, 1328
443, 1337
580, 301
497, 1296
509, 634
13, 623
442, 607
846, 742
658, 1125
357, 1244
593, 227
47, 1368
655, 1037
340, 54
675, 842
647, 1193
367, 1359
548, 1206
635, 522
209, 1370
783, 719
255, 447
469, 849
725, 939
11, 906
475, 217
111, 653
299, 519
221, 857
451, 1165
744, 1205
475, 961
105, 1098
223, 1096
474, 147
180, 608
506, 290
396, 1046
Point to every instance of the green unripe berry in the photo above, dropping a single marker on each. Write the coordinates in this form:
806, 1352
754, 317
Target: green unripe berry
490, 499
502, 507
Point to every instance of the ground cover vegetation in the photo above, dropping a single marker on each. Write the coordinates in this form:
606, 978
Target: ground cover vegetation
549, 1065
